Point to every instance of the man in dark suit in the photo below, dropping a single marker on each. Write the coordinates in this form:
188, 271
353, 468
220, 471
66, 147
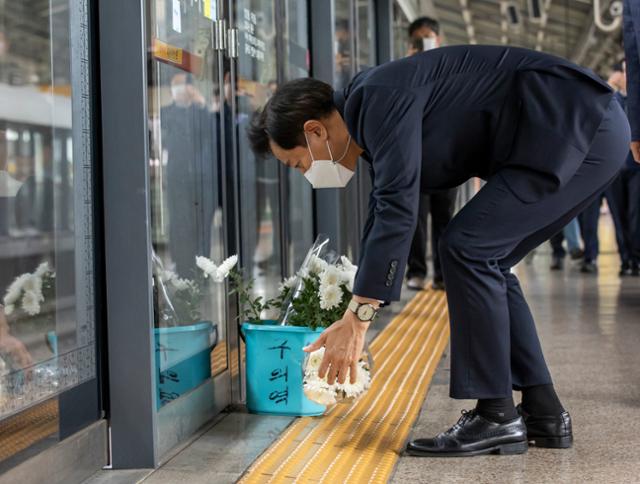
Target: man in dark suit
548, 138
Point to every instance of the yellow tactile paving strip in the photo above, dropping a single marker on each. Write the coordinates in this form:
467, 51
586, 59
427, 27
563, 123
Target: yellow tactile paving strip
362, 442
22, 430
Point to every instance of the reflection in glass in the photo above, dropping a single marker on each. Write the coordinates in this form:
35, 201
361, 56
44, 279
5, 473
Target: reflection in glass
299, 191
343, 44
47, 340
400, 28
186, 110
261, 244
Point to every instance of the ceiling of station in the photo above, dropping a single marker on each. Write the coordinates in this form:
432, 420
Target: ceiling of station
567, 27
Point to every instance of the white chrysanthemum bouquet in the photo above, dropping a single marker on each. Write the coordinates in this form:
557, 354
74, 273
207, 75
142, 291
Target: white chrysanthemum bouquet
319, 294
318, 389
29, 291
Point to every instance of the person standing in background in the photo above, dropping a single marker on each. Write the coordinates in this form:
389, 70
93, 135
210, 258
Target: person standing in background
424, 35
623, 196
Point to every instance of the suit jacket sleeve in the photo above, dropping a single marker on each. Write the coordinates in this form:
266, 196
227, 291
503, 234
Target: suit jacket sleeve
390, 127
633, 66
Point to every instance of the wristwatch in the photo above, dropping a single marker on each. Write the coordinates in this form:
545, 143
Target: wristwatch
365, 312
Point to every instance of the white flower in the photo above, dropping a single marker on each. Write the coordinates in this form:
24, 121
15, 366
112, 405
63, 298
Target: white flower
8, 310
42, 269
303, 273
217, 273
288, 283
167, 276
181, 284
33, 284
207, 265
225, 268
15, 289
347, 265
314, 361
31, 303
317, 265
330, 276
330, 296
319, 393
348, 272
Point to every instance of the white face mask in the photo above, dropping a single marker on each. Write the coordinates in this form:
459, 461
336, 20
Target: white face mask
429, 43
328, 173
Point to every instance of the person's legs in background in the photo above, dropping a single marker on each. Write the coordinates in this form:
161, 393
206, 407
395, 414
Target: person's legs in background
616, 196
572, 235
442, 206
417, 263
589, 227
558, 252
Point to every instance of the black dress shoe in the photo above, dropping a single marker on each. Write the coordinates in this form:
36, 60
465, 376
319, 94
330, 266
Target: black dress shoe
549, 431
625, 269
635, 269
474, 435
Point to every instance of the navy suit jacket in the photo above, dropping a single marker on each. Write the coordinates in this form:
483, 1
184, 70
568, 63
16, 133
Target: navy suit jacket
433, 120
631, 32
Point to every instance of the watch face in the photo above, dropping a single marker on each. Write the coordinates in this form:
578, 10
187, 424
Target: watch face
365, 313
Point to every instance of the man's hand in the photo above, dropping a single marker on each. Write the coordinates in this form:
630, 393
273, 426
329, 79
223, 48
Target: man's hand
343, 342
635, 150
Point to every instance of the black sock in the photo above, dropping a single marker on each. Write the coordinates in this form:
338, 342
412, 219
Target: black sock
497, 409
541, 400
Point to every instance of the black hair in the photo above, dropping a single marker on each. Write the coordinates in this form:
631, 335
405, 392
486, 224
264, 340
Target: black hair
283, 116
428, 22
617, 67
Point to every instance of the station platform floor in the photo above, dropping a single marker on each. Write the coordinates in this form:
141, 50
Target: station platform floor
589, 326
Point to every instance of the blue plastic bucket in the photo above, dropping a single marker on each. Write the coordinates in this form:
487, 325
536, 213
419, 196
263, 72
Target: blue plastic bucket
183, 359
274, 369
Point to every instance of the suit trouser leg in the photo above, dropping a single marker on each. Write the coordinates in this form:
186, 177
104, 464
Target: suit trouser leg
442, 205
417, 263
615, 196
494, 346
589, 229
556, 245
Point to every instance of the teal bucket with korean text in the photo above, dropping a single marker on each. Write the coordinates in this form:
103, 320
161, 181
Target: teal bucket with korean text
183, 359
274, 361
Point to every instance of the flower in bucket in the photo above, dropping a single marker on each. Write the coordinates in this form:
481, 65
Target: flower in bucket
179, 300
319, 294
28, 291
318, 389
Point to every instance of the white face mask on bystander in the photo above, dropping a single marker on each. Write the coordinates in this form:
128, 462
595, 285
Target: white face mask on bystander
328, 173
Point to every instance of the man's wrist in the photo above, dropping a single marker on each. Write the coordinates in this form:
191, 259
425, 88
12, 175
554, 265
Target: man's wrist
366, 300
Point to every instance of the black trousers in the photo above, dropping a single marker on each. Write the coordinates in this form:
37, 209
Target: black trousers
623, 197
441, 206
494, 345
589, 219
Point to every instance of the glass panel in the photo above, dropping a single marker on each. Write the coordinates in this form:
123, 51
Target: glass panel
299, 191
47, 337
343, 44
185, 109
259, 187
366, 46
400, 29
